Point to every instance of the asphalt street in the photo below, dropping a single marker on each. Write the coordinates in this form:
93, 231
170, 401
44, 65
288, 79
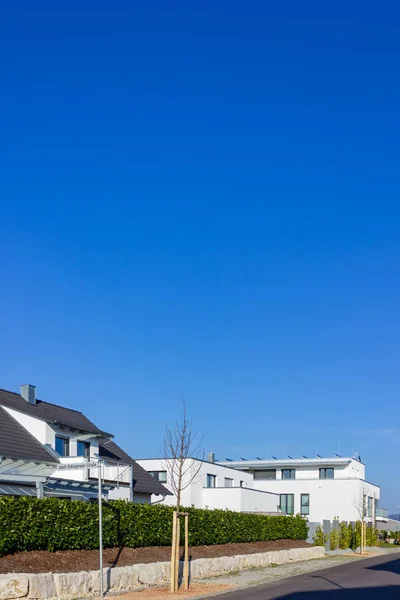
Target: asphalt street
376, 578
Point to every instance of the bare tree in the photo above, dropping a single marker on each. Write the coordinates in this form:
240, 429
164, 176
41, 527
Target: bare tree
360, 504
181, 449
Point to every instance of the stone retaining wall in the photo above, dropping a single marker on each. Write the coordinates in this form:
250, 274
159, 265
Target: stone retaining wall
52, 586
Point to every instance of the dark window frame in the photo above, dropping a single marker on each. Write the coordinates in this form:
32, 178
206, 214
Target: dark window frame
292, 474
211, 478
66, 445
285, 510
86, 446
160, 476
228, 480
323, 472
302, 506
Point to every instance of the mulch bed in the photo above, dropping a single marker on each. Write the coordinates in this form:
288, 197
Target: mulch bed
67, 561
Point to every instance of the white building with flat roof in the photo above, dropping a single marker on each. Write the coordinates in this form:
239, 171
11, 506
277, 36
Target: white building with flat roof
207, 484
317, 488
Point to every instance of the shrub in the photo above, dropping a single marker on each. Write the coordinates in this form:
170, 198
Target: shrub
372, 536
319, 538
344, 536
54, 524
334, 539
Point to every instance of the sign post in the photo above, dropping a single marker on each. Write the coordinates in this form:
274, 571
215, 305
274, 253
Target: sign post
92, 464
100, 528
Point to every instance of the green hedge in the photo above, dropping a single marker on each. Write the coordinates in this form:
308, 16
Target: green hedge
53, 524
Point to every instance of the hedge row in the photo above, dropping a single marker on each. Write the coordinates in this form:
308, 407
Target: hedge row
54, 524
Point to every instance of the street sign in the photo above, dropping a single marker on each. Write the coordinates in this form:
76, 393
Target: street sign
77, 466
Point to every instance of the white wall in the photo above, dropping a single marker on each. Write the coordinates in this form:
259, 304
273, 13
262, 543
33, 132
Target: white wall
193, 495
38, 428
240, 500
329, 498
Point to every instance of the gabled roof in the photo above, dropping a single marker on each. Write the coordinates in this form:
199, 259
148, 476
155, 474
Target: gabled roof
17, 442
143, 482
57, 415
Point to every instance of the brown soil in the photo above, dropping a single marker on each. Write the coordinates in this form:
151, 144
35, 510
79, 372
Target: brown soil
88, 560
196, 590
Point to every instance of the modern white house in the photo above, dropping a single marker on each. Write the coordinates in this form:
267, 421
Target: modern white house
317, 488
207, 484
44, 450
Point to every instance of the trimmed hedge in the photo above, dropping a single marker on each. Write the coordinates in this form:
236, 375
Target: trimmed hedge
53, 524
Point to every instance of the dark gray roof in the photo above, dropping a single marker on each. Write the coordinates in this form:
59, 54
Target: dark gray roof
143, 482
50, 413
17, 442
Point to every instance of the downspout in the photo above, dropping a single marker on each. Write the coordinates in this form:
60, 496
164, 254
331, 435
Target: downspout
158, 501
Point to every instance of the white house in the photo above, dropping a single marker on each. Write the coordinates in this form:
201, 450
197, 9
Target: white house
43, 447
319, 488
210, 485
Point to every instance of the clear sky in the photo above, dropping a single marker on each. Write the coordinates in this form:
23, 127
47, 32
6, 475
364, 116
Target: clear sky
202, 198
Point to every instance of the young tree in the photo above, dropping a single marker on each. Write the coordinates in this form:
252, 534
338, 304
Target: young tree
360, 504
181, 449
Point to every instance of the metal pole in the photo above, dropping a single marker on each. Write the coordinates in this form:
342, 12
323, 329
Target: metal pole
131, 484
173, 551
100, 530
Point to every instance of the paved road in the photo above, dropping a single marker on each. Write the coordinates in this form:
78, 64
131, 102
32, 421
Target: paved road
373, 578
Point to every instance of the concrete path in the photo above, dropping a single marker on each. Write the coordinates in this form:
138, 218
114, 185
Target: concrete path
346, 578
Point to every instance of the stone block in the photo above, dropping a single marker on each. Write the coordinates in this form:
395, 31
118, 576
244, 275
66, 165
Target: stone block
94, 577
124, 578
73, 585
42, 586
13, 586
150, 574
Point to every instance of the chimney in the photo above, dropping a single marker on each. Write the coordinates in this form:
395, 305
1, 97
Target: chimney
211, 457
28, 392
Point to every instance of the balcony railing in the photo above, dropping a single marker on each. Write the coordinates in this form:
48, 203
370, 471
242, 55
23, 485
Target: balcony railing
382, 513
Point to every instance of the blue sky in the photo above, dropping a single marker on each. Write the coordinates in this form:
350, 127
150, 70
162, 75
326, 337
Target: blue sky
202, 198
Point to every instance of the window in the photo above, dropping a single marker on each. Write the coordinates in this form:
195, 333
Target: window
211, 480
288, 473
286, 503
369, 507
326, 473
241, 483
305, 504
62, 446
84, 449
228, 482
161, 476
265, 474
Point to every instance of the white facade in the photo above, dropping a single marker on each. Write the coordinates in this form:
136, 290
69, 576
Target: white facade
214, 486
318, 489
335, 486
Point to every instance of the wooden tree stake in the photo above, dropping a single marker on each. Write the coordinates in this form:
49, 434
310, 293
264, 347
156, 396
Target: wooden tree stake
186, 567
177, 549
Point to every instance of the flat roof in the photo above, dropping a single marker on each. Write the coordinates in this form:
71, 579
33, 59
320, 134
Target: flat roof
286, 462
